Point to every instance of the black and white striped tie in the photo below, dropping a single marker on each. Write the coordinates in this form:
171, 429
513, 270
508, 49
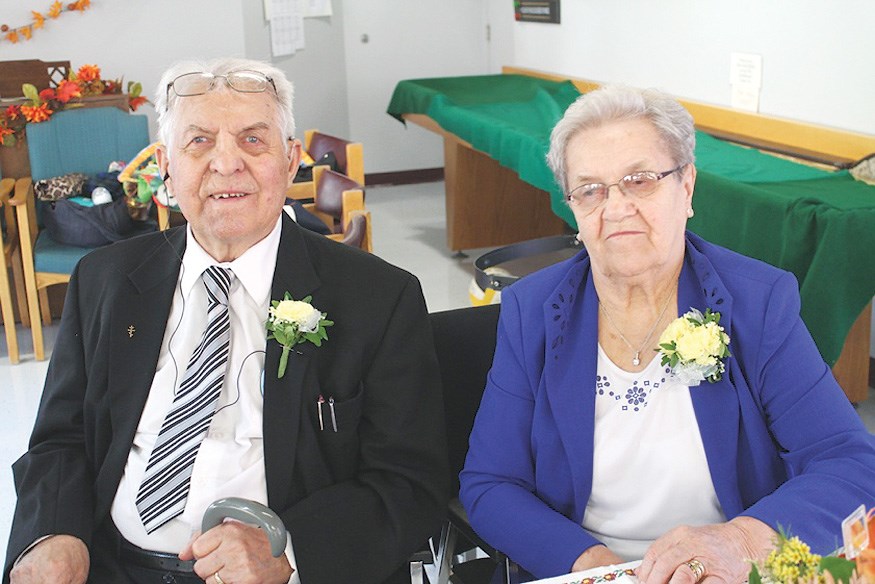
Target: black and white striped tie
165, 483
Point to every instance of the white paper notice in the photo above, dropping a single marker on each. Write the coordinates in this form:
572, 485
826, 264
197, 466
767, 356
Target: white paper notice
747, 69
317, 8
746, 78
286, 26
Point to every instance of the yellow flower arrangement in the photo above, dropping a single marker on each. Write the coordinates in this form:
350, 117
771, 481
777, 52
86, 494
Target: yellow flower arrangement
792, 562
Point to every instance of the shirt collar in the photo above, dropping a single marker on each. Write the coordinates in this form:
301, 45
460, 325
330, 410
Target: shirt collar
254, 268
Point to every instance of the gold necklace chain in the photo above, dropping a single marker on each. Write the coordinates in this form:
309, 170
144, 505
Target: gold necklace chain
636, 360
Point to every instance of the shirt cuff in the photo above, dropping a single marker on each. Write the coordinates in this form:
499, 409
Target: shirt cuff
290, 556
45, 537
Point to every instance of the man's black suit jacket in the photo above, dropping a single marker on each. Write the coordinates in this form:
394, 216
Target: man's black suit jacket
356, 502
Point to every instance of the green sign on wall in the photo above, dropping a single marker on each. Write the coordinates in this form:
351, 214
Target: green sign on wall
537, 10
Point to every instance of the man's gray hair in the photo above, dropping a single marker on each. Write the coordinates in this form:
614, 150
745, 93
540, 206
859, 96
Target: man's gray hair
165, 102
673, 123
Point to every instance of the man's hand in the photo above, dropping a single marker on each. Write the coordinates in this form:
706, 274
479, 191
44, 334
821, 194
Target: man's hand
60, 559
594, 557
240, 553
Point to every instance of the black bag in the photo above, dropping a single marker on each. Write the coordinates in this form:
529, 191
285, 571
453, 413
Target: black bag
305, 171
107, 180
306, 219
72, 223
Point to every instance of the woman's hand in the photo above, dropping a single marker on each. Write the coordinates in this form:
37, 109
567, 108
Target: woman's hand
60, 558
724, 550
594, 557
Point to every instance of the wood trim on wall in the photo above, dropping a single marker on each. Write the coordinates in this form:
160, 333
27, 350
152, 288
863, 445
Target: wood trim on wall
810, 141
404, 177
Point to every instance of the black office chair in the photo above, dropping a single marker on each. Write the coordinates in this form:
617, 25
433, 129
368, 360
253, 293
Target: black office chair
465, 343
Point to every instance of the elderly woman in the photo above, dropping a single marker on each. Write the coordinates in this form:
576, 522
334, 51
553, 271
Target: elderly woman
596, 442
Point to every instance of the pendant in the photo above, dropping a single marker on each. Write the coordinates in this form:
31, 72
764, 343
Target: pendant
636, 361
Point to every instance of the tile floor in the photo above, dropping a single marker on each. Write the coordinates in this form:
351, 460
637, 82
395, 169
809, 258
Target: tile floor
409, 231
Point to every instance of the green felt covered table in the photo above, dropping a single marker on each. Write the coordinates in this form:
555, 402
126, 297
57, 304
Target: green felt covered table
820, 225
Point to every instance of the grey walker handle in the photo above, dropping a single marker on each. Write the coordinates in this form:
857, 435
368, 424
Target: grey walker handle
248, 512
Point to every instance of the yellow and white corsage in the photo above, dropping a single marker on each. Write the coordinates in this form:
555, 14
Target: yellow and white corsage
695, 347
292, 322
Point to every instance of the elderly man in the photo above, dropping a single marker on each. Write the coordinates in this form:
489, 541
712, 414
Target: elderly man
165, 391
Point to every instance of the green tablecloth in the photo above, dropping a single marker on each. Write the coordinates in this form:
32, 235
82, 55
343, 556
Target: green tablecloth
817, 224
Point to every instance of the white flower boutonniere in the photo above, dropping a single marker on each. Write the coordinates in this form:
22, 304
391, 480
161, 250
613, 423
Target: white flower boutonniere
695, 347
292, 322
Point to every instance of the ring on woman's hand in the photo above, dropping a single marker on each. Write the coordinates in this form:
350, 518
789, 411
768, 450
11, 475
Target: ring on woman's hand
695, 565
220, 581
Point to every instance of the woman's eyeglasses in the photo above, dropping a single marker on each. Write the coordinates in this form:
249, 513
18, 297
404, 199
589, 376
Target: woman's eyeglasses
638, 184
191, 84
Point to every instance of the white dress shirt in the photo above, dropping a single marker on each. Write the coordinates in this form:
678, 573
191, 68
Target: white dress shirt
649, 468
230, 461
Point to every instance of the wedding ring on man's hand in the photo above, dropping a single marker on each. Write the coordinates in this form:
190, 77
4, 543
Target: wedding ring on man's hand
220, 581
696, 566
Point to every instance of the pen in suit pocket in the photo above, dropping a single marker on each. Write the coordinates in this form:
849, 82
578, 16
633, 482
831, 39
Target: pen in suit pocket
319, 403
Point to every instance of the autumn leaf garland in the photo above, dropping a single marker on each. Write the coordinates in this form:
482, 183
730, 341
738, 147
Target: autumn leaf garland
25, 32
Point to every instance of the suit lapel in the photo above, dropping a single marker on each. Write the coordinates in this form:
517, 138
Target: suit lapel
715, 404
296, 274
570, 371
137, 322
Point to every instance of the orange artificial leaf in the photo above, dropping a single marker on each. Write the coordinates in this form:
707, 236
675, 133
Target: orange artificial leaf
81, 5
56, 9
26, 32
136, 102
38, 19
67, 90
12, 37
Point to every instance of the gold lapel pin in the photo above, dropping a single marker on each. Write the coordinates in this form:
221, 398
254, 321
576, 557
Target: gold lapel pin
131, 331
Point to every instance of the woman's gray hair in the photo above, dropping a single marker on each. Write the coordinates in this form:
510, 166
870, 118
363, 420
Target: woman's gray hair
165, 101
610, 103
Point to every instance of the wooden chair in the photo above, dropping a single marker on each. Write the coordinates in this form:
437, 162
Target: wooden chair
349, 155
357, 232
334, 197
41, 74
76, 140
11, 258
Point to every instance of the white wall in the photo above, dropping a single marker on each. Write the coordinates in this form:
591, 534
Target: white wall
134, 40
501, 23
814, 52
405, 39
317, 72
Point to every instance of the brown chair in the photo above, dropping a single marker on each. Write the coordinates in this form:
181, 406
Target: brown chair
349, 155
11, 257
41, 74
357, 232
334, 197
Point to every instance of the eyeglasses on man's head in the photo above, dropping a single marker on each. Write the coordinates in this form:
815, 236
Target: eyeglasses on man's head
191, 84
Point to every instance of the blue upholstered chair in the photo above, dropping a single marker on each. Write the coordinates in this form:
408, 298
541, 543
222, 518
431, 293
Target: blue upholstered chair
74, 140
